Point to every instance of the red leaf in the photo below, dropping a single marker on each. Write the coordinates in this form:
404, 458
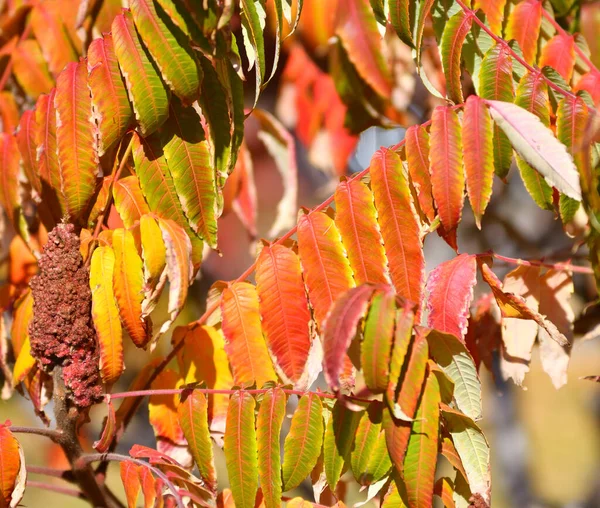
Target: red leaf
450, 288
559, 53
479, 155
284, 309
109, 430
356, 218
10, 159
417, 156
524, 25
447, 174
340, 328
28, 148
590, 82
399, 224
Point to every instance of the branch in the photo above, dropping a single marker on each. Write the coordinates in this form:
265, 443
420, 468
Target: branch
63, 474
56, 488
85, 460
53, 434
568, 267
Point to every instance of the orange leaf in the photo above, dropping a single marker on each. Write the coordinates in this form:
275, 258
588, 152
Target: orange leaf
417, 156
399, 224
10, 159
105, 314
494, 12
129, 200
30, 68
327, 271
12, 468
447, 174
131, 482
128, 286
524, 25
284, 309
356, 218
245, 344
28, 148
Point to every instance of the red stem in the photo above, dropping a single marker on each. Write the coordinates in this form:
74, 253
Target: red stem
556, 266
51, 433
63, 474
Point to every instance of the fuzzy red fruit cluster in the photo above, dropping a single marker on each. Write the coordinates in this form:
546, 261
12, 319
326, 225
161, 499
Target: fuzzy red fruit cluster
62, 332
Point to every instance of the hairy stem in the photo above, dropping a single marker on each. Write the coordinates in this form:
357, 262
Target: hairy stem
56, 488
53, 434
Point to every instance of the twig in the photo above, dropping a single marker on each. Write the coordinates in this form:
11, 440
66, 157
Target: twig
556, 266
63, 474
56, 488
53, 434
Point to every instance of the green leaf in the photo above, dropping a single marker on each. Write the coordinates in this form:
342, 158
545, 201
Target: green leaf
241, 455
473, 449
253, 24
400, 18
187, 155
421, 454
148, 95
193, 419
172, 55
270, 419
456, 362
339, 436
302, 446
369, 459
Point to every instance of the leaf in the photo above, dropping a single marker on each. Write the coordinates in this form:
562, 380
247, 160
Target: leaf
180, 270
447, 174
110, 103
444, 489
450, 287
536, 144
369, 458
378, 338
270, 419
109, 429
128, 286
400, 18
327, 272
356, 219
399, 224
187, 155
449, 452
512, 305
590, 82
417, 155
253, 22
164, 418
10, 158
26, 140
202, 359
154, 258
193, 419
524, 24
396, 496
556, 289
47, 153
402, 340
397, 432
245, 344
559, 53
131, 482
129, 200
284, 309
172, 55
494, 12
240, 449
473, 449
148, 95
149, 487
518, 335
30, 69
340, 328
478, 155
337, 443
105, 314
451, 44
422, 451
13, 474
455, 360
302, 445
358, 33
24, 363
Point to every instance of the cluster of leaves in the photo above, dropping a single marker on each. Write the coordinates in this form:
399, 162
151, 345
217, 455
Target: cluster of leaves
148, 128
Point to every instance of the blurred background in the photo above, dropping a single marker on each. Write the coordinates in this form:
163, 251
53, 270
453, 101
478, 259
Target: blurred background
545, 442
